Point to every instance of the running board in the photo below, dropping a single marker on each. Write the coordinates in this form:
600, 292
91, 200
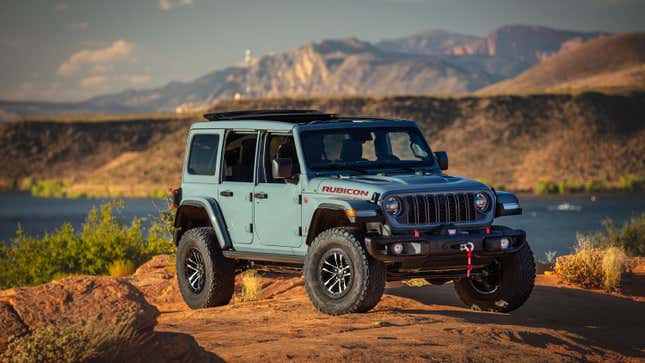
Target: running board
270, 257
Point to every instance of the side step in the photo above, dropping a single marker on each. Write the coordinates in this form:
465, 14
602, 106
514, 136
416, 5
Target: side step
270, 257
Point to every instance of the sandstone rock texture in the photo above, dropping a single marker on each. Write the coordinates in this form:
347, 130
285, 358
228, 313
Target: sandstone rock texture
110, 302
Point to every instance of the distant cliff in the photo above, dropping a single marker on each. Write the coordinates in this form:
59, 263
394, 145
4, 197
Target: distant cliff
511, 140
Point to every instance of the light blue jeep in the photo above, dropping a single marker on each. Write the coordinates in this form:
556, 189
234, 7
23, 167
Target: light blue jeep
350, 201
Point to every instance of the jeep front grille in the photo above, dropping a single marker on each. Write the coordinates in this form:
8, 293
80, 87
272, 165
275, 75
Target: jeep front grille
438, 208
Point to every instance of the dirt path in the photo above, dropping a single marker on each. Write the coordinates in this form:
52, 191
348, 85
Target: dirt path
419, 324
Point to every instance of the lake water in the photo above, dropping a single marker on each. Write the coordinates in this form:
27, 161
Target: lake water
551, 222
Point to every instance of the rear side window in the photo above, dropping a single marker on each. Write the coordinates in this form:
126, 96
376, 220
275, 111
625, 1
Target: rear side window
203, 155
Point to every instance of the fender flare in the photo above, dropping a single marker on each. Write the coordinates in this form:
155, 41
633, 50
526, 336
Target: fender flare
341, 205
215, 217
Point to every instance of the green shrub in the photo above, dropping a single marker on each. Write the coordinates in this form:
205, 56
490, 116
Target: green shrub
630, 237
103, 239
545, 187
630, 183
48, 188
120, 268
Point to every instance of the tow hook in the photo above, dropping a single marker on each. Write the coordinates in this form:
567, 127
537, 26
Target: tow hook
468, 247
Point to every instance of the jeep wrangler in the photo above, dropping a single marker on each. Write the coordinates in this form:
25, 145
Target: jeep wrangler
352, 202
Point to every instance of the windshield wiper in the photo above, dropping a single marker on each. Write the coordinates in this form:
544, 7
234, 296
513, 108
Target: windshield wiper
413, 169
339, 168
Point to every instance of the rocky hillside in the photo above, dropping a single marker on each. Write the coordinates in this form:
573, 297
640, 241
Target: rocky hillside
428, 63
609, 62
514, 141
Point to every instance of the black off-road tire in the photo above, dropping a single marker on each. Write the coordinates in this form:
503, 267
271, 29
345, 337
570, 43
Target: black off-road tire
517, 281
367, 284
219, 271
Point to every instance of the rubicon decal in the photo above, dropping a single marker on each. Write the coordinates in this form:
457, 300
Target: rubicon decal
348, 191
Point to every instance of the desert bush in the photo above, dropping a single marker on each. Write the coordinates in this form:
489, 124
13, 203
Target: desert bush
545, 187
590, 266
102, 240
48, 188
630, 237
630, 182
82, 342
613, 266
251, 286
122, 268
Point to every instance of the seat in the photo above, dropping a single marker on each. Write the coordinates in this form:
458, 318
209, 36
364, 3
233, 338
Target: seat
352, 150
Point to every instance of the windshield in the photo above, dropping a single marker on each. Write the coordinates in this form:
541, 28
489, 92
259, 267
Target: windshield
362, 148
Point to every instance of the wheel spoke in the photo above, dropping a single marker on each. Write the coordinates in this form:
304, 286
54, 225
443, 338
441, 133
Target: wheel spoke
192, 277
330, 288
326, 270
331, 278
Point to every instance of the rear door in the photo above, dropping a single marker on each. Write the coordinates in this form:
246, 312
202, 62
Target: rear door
237, 183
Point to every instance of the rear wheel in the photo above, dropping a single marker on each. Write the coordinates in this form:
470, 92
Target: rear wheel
340, 277
206, 278
503, 286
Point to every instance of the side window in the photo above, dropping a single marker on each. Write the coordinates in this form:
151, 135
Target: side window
239, 157
203, 155
280, 146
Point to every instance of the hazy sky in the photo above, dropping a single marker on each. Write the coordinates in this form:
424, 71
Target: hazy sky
71, 50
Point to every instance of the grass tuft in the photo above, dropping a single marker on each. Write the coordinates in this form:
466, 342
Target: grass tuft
120, 268
251, 286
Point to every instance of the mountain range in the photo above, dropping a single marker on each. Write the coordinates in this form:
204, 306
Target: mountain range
433, 62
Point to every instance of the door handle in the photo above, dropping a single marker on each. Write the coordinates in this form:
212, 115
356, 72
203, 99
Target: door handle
261, 195
226, 193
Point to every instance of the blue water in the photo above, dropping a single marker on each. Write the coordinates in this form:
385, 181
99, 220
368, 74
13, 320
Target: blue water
551, 222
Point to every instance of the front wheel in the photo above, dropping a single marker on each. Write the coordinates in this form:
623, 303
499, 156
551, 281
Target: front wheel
503, 286
340, 277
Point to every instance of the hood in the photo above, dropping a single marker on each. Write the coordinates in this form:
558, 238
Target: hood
364, 186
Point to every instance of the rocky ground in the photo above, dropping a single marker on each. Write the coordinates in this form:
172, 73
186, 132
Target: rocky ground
558, 323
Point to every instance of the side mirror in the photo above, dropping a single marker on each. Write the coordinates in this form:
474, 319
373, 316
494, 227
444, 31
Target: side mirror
442, 159
281, 168
507, 204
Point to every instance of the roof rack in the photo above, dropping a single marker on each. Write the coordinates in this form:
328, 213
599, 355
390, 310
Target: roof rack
295, 116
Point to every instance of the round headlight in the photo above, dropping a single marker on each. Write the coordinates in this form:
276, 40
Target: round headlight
481, 202
393, 206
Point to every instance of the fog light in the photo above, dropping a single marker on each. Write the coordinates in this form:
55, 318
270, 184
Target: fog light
504, 243
397, 248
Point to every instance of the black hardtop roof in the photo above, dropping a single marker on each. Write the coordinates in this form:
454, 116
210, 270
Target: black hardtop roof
285, 115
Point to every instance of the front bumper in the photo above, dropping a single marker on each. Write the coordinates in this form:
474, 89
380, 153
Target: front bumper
430, 249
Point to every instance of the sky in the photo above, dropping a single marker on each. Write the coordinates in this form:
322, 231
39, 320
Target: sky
64, 50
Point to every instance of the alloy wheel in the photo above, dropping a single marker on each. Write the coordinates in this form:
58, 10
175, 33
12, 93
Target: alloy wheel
194, 270
336, 273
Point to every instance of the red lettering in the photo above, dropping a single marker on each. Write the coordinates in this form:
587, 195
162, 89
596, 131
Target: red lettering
348, 191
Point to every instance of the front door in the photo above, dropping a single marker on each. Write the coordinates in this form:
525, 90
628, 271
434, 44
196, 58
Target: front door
236, 188
277, 201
